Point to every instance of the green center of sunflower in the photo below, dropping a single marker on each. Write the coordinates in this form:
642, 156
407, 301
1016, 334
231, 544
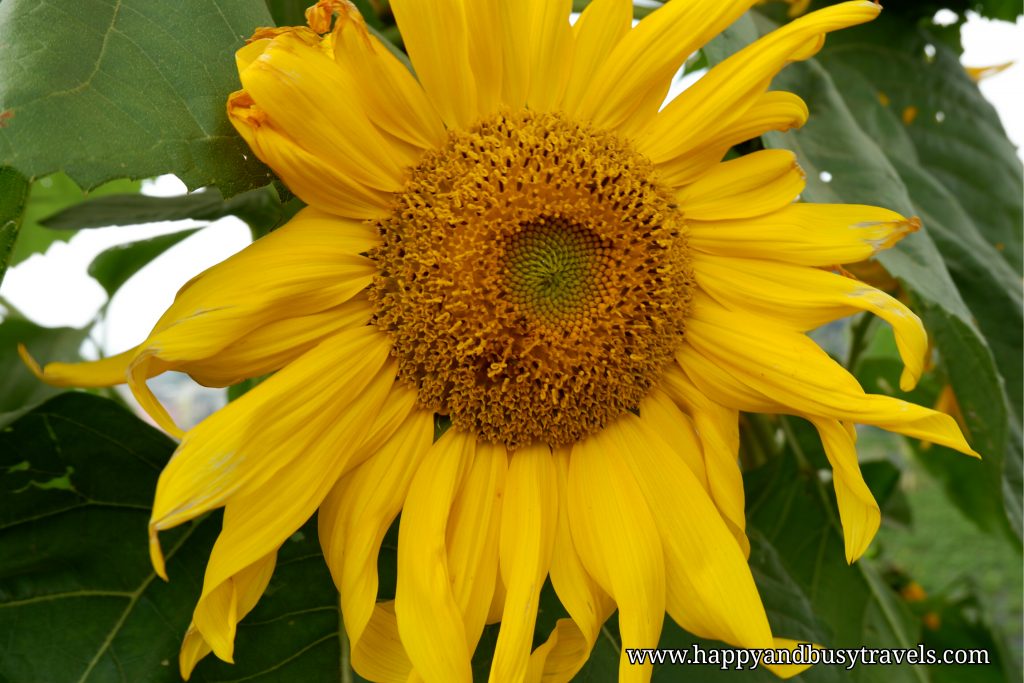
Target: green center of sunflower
552, 267
534, 277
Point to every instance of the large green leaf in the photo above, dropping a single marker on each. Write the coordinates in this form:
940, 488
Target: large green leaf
855, 149
78, 598
132, 88
13, 196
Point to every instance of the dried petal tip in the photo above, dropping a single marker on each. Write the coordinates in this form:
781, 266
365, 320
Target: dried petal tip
30, 362
320, 15
156, 555
911, 225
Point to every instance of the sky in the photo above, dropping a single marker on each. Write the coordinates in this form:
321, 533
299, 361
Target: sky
55, 290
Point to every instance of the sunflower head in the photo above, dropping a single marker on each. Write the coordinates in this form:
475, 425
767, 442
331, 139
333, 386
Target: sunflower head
520, 236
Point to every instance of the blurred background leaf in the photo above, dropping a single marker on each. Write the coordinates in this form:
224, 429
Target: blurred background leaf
113, 267
19, 388
50, 195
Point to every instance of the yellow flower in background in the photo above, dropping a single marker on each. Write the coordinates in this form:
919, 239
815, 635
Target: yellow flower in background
980, 73
518, 238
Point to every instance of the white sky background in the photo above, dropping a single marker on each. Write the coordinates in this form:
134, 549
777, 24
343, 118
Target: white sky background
55, 290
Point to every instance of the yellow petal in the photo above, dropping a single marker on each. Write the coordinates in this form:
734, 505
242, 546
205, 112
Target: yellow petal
497, 602
193, 648
752, 185
806, 298
631, 84
719, 384
536, 44
276, 344
318, 181
728, 90
253, 530
597, 31
473, 533
516, 21
436, 37
101, 373
528, 522
226, 607
307, 266
485, 26
218, 612
778, 367
858, 510
392, 98
570, 643
618, 540
247, 54
358, 512
380, 655
786, 671
711, 592
806, 234
551, 45
718, 429
429, 620
301, 413
980, 73
773, 110
676, 428
308, 98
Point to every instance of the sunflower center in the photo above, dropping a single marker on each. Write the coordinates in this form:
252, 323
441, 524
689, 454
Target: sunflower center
552, 267
534, 278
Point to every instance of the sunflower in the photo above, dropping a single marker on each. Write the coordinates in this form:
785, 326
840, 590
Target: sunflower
517, 241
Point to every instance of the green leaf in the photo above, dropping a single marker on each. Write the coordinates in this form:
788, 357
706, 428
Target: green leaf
113, 267
288, 12
878, 162
789, 504
125, 89
49, 195
78, 598
260, 209
1007, 10
19, 388
741, 33
13, 197
931, 553
963, 177
964, 624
